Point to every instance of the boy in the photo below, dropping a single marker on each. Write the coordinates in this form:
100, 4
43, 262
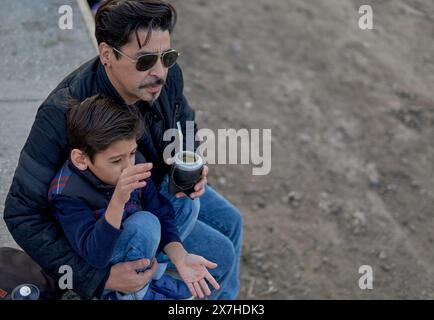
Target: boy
111, 211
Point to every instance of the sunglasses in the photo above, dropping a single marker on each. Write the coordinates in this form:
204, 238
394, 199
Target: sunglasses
148, 60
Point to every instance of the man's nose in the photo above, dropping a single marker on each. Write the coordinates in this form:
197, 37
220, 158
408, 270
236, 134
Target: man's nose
158, 70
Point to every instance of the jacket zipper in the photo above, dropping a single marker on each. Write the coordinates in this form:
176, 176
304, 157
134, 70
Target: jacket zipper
175, 114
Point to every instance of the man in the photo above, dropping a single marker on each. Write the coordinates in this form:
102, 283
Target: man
136, 65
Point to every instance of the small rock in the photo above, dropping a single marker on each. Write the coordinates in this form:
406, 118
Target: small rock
251, 67
382, 255
392, 188
265, 266
205, 46
373, 176
261, 204
359, 218
248, 105
328, 206
366, 45
325, 205
358, 221
293, 198
414, 184
259, 255
304, 138
386, 268
405, 161
411, 227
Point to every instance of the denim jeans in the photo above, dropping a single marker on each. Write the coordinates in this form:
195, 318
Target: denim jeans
217, 236
141, 235
139, 239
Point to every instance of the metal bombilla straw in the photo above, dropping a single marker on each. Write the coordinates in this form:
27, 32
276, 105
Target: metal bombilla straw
180, 137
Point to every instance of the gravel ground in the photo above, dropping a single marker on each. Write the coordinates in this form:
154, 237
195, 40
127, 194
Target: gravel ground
352, 115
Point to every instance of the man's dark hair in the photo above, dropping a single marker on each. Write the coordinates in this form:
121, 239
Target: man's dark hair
98, 122
116, 21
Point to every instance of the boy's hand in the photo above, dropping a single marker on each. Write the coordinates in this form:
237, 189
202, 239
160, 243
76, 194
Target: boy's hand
193, 270
129, 180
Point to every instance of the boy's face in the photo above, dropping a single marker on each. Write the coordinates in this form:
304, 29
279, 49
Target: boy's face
109, 164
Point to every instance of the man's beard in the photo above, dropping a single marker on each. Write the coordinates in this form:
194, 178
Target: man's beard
154, 82
154, 97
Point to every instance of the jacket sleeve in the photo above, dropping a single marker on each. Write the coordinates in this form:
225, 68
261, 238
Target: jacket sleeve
154, 202
27, 213
93, 239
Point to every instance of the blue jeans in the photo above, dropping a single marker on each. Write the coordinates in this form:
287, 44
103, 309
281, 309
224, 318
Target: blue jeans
139, 239
217, 236
141, 235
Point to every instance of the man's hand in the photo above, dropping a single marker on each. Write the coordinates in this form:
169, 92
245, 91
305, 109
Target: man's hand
193, 270
199, 188
131, 179
124, 277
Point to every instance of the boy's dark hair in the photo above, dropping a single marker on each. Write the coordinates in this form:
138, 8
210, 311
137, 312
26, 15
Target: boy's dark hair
117, 20
98, 122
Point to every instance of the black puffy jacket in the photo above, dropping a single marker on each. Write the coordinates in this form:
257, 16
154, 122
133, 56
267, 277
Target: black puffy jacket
27, 212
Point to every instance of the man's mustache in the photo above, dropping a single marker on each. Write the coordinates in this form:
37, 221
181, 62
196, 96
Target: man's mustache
156, 82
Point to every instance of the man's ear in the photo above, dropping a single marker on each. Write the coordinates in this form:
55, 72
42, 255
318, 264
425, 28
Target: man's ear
105, 53
79, 159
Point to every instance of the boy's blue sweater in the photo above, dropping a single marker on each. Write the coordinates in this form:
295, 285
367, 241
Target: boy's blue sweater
79, 201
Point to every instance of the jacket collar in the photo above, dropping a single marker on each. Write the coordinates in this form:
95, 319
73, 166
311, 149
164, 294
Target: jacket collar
105, 84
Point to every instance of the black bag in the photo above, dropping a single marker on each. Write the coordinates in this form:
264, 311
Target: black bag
17, 268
